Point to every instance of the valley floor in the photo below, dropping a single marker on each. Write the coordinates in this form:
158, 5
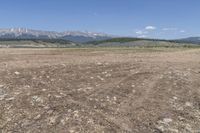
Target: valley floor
100, 90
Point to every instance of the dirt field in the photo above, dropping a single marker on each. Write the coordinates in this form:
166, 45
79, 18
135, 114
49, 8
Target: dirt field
99, 90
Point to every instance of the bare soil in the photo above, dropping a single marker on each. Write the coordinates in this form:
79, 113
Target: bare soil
99, 90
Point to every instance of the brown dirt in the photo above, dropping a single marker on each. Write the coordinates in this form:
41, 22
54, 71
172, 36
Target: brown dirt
90, 90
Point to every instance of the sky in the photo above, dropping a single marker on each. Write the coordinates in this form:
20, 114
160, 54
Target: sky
166, 19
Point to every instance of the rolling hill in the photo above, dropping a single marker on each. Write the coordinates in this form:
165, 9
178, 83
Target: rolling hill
194, 40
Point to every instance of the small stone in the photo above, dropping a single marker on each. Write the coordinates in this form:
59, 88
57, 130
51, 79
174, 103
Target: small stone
46, 107
167, 120
10, 99
89, 88
115, 99
99, 63
76, 113
108, 75
133, 86
37, 99
173, 130
62, 121
66, 118
181, 118
133, 91
17, 73
58, 96
104, 72
175, 98
100, 78
188, 128
90, 121
71, 131
52, 120
2, 97
188, 104
50, 112
37, 117
161, 128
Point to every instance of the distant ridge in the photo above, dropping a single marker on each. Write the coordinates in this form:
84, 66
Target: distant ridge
75, 36
194, 40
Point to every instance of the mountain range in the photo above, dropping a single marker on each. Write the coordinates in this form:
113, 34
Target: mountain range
74, 36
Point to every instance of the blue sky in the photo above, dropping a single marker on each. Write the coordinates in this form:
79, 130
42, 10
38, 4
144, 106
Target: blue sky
137, 18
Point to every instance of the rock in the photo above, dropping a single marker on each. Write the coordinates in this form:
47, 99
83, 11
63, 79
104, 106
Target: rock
108, 75
71, 131
76, 113
37, 117
115, 99
188, 128
100, 78
62, 121
90, 121
1, 92
52, 120
161, 128
10, 99
37, 99
99, 63
2, 95
173, 130
58, 96
89, 88
2, 98
17, 73
167, 120
188, 104
175, 98
181, 118
104, 72
133, 86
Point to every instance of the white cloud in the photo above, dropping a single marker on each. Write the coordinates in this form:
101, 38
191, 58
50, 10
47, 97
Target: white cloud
144, 33
169, 29
142, 36
150, 28
182, 31
140, 32
154, 32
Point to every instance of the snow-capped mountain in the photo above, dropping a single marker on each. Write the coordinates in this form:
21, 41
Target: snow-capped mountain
76, 36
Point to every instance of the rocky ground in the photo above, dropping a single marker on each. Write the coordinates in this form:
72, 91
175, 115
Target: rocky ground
90, 90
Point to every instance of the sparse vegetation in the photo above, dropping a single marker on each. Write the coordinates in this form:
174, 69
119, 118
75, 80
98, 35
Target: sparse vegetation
115, 42
117, 89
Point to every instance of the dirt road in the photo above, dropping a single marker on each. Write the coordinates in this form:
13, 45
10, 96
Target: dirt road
90, 90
